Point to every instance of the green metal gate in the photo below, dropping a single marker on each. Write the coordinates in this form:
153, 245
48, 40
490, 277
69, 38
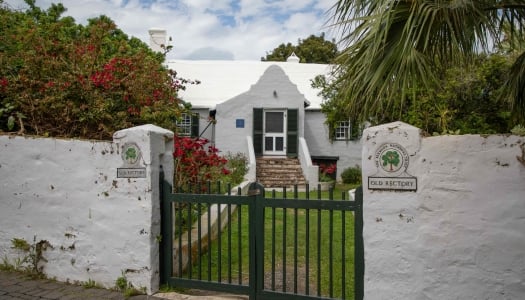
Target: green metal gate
267, 248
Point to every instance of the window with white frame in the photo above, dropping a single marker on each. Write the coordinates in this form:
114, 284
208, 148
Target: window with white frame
184, 125
343, 131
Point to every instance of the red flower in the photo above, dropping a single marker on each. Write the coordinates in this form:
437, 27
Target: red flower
4, 82
196, 163
324, 169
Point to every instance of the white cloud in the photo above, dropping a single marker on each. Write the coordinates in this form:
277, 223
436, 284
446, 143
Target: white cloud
247, 28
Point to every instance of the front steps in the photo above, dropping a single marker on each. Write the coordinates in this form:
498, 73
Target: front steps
278, 172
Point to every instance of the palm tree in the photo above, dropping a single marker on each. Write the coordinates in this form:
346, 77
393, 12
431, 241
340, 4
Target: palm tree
392, 46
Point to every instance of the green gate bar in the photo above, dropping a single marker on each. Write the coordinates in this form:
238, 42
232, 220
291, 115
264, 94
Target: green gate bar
209, 264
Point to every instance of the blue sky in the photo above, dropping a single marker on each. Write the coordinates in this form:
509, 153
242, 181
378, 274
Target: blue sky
209, 29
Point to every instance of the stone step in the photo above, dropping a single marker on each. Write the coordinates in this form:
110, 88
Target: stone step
279, 172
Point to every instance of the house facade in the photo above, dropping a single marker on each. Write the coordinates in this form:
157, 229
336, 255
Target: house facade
265, 109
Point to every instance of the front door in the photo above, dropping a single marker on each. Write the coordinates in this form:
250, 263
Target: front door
274, 136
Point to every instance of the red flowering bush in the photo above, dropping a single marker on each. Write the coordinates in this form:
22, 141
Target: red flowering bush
58, 78
197, 163
327, 172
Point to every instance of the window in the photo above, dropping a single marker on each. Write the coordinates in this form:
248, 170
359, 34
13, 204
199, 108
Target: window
184, 125
343, 131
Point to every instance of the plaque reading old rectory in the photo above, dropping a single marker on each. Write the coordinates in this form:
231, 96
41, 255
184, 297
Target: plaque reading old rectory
131, 156
392, 183
392, 162
131, 172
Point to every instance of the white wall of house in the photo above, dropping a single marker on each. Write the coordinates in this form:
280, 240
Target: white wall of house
229, 138
203, 123
67, 192
317, 138
461, 234
261, 95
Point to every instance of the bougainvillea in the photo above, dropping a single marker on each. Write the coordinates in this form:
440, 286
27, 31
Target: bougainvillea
197, 162
327, 172
58, 78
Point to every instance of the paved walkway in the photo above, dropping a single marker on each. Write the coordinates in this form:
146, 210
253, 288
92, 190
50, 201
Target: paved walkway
18, 286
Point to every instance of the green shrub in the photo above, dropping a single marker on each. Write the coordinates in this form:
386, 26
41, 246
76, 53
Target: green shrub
238, 166
61, 79
351, 175
518, 130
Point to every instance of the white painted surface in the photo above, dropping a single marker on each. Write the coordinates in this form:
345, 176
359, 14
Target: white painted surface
205, 128
229, 138
251, 175
157, 39
462, 234
311, 172
316, 136
236, 87
224, 80
67, 192
311, 122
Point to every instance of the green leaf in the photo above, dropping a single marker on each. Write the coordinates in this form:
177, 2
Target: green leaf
10, 122
394, 47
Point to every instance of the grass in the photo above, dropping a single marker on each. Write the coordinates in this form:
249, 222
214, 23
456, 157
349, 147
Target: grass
128, 290
91, 284
286, 234
298, 258
340, 188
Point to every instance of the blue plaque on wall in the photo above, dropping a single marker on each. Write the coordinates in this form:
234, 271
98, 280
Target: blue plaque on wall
239, 123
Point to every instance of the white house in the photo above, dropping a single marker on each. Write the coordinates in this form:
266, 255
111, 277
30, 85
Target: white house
265, 109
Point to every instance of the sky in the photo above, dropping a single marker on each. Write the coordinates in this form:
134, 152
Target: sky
209, 29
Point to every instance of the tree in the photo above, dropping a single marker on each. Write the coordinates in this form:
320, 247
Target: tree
462, 100
394, 48
391, 158
58, 78
314, 49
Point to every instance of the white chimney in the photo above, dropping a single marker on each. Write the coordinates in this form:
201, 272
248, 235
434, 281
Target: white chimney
157, 38
293, 58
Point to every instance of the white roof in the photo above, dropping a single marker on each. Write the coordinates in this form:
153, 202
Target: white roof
222, 80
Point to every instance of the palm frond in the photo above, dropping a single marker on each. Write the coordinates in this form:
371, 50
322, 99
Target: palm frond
393, 45
516, 84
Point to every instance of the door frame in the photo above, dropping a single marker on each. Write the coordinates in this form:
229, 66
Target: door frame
284, 134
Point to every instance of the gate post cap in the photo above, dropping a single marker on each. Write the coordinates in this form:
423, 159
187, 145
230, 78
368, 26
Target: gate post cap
255, 188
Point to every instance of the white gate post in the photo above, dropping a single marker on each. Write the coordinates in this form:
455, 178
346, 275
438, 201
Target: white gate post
389, 204
443, 215
143, 150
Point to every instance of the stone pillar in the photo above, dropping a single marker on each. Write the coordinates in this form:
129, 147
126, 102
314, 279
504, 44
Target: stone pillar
390, 202
144, 149
443, 215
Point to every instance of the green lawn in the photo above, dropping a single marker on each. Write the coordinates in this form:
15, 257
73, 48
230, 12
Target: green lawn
297, 256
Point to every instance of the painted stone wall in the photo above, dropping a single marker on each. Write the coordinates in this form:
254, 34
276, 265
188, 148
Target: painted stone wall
67, 192
452, 224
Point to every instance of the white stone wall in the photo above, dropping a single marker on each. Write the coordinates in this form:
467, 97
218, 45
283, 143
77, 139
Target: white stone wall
67, 192
461, 235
